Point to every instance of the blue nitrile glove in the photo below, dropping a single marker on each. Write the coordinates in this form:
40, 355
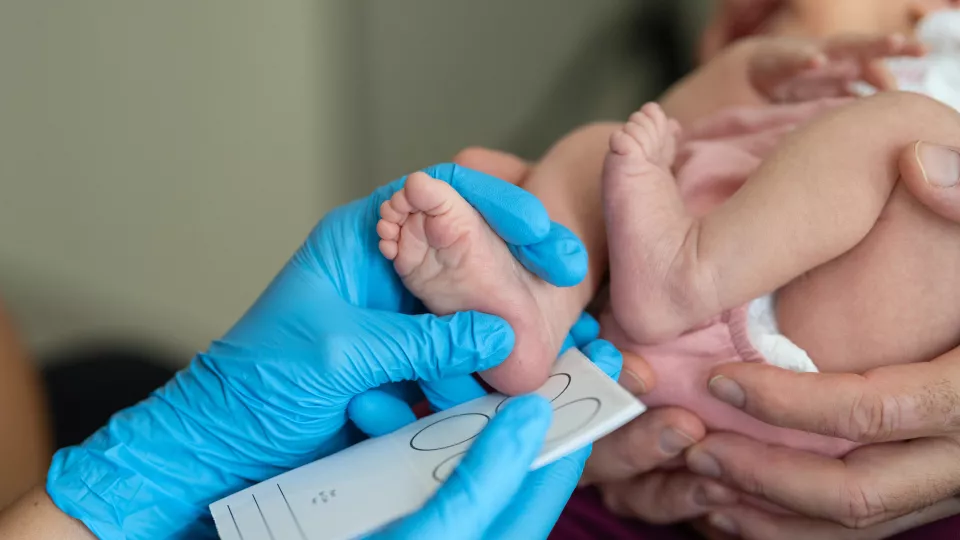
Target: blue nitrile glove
273, 393
492, 494
385, 409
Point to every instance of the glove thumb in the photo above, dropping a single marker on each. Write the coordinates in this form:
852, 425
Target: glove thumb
430, 348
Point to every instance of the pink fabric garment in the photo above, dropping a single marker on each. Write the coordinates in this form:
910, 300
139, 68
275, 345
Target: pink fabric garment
683, 367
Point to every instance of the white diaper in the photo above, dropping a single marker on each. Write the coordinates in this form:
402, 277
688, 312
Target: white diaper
765, 336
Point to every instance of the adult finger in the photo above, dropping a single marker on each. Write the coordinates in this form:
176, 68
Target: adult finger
515, 215
503, 165
431, 348
487, 479
753, 524
585, 330
559, 258
885, 404
378, 413
549, 489
870, 485
637, 376
663, 497
644, 444
605, 356
447, 393
878, 74
932, 173
452, 391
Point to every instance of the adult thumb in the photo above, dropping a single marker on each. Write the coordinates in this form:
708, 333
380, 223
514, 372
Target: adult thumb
932, 173
430, 348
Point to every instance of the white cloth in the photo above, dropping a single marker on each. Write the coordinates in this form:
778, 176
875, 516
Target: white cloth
936, 75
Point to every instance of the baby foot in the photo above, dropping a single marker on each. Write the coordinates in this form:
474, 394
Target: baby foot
655, 284
449, 258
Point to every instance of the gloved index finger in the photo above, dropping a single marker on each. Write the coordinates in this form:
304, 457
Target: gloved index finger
560, 258
447, 393
515, 215
378, 413
605, 356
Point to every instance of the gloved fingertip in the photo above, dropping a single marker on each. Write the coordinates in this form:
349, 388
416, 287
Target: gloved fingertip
378, 413
605, 356
568, 343
516, 215
494, 339
529, 410
560, 258
442, 171
585, 330
452, 391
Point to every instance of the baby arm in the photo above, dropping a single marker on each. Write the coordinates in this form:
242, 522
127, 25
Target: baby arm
764, 70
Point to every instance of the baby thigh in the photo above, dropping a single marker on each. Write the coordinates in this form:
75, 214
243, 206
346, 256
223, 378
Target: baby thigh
892, 298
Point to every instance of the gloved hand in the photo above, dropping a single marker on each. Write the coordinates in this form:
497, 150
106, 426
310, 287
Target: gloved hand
492, 493
272, 394
387, 409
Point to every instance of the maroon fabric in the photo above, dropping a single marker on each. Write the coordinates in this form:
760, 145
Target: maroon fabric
585, 518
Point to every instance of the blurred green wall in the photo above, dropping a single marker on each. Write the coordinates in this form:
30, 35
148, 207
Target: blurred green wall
160, 160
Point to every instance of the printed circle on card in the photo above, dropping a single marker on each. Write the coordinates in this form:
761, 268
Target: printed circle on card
449, 432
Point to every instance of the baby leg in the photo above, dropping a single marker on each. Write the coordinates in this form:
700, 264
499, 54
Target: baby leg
892, 299
814, 199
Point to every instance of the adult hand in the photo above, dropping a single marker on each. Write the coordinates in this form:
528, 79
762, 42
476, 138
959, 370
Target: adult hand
273, 393
906, 415
639, 468
492, 494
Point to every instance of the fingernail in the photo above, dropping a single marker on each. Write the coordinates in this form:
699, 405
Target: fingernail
704, 464
724, 523
633, 383
672, 441
940, 165
728, 391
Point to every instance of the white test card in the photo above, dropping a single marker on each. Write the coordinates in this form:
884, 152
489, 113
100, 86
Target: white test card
369, 485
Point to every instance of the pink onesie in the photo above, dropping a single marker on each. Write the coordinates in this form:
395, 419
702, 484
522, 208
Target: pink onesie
710, 167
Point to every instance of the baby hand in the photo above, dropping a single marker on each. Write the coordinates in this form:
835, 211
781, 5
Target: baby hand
792, 70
